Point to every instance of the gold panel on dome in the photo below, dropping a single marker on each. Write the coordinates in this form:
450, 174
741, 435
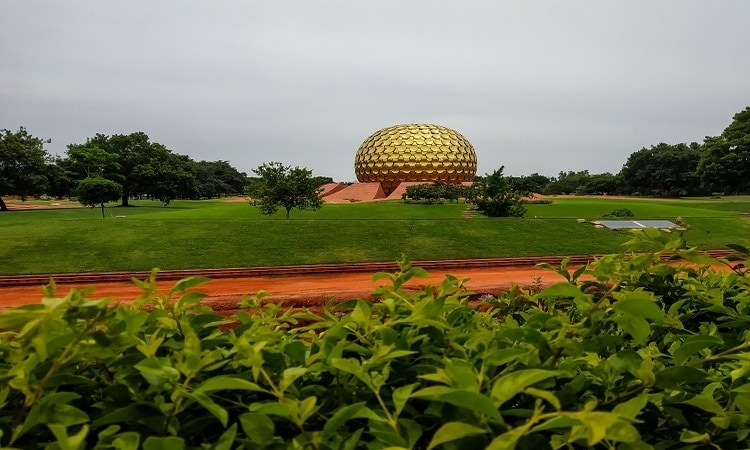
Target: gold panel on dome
415, 152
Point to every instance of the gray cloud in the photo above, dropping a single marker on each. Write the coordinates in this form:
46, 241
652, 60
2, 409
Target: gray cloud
535, 86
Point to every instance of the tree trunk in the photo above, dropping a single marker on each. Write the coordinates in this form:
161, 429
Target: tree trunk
125, 197
287, 213
3, 206
102, 210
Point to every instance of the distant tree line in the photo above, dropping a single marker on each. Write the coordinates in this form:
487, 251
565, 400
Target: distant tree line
721, 164
436, 192
141, 169
145, 169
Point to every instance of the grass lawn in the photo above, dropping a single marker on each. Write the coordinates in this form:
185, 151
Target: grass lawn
203, 234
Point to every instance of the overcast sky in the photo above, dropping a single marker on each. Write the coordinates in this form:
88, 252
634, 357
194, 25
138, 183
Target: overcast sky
536, 86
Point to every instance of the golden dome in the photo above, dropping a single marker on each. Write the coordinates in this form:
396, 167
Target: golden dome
415, 152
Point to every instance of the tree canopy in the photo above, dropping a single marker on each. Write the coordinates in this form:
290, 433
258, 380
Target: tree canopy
494, 197
435, 192
664, 170
725, 162
23, 165
218, 178
146, 168
96, 191
581, 183
286, 187
528, 184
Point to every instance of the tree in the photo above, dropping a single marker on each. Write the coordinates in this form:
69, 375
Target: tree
60, 184
528, 184
217, 178
664, 170
23, 165
599, 184
434, 192
725, 162
95, 191
142, 167
167, 177
567, 183
286, 187
88, 160
135, 152
494, 198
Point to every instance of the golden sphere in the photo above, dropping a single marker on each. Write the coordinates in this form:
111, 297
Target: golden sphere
415, 152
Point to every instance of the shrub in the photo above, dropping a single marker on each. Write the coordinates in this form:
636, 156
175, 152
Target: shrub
620, 212
536, 201
638, 354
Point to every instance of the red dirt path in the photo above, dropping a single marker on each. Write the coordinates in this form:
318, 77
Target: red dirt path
301, 290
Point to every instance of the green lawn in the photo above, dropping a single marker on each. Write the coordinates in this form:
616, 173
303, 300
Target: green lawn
202, 234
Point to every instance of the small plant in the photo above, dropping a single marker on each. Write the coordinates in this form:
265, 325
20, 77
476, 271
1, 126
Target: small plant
536, 284
620, 212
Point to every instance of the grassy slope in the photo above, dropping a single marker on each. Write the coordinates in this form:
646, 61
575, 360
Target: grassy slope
220, 234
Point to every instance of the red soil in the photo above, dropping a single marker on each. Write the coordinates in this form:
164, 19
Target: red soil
297, 291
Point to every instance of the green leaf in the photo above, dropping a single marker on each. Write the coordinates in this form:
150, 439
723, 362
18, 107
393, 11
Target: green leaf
622, 431
16, 318
345, 413
276, 409
391, 439
413, 431
189, 300
639, 304
135, 412
693, 345
352, 366
738, 248
163, 443
674, 377
157, 372
65, 442
226, 440
362, 313
626, 361
508, 440
296, 351
401, 395
578, 272
465, 399
691, 437
545, 395
507, 386
127, 441
557, 422
205, 401
636, 327
187, 283
258, 427
632, 407
225, 383
562, 290
381, 275
596, 423
290, 374
306, 408
52, 410
462, 373
707, 403
452, 431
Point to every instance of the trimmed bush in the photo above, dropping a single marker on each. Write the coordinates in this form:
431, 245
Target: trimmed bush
630, 352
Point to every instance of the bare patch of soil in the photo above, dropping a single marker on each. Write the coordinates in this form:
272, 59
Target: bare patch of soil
300, 291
